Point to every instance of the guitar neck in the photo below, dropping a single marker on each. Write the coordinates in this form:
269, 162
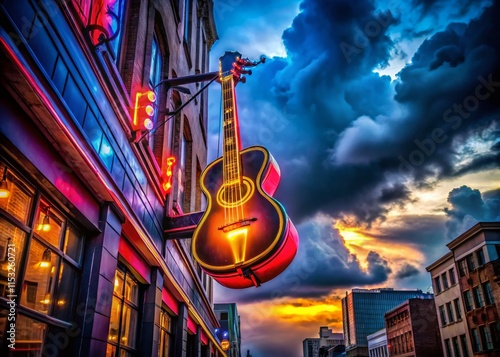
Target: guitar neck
231, 135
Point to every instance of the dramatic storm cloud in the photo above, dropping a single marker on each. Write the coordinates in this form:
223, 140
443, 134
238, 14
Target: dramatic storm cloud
468, 207
349, 140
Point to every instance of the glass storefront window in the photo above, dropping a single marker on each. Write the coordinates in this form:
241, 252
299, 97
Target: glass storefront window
47, 267
12, 241
165, 334
124, 319
20, 197
39, 281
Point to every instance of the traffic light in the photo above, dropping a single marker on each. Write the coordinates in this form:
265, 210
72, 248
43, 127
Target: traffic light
144, 110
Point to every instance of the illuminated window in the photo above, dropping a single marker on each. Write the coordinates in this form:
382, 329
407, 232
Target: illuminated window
166, 336
48, 273
124, 319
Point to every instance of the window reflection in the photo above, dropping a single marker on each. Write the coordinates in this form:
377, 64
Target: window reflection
40, 278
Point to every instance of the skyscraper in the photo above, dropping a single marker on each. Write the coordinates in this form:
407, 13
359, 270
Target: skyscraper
363, 313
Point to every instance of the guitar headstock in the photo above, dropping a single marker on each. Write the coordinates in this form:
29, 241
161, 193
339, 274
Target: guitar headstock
231, 63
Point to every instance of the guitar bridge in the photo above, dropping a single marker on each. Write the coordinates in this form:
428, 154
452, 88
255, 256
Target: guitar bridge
235, 225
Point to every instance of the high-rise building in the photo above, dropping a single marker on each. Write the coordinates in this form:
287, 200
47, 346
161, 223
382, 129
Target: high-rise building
469, 307
98, 149
229, 330
363, 313
412, 329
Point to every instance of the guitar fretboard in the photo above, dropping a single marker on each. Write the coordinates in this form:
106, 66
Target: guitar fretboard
231, 138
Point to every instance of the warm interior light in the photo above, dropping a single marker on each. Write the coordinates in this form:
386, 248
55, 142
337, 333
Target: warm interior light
46, 299
44, 225
4, 186
46, 256
5, 260
117, 283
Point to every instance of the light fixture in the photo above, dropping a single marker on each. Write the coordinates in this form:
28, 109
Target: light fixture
5, 260
46, 299
4, 186
44, 224
46, 257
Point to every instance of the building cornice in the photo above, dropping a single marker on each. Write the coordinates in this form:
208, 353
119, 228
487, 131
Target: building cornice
474, 230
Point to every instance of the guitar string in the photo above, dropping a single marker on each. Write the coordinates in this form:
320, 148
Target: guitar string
237, 149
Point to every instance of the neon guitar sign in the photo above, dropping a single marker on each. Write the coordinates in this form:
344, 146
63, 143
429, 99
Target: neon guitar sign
245, 237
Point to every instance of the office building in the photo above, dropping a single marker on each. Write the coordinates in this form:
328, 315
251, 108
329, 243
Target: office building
412, 329
363, 313
96, 152
474, 261
229, 330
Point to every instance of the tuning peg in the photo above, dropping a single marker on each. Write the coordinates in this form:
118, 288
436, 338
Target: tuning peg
243, 79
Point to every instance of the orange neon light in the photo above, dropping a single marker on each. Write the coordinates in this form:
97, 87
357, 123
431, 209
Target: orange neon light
238, 241
167, 181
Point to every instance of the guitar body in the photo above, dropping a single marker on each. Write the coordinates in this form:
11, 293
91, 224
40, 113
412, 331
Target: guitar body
245, 237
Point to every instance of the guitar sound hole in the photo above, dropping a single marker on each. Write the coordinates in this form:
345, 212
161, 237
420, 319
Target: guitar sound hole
235, 194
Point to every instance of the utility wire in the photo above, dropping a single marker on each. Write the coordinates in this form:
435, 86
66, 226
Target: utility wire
178, 110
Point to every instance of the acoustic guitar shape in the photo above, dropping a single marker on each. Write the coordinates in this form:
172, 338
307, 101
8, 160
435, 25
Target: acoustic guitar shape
245, 237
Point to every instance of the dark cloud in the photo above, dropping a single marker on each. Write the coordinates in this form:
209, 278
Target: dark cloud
469, 206
407, 271
348, 140
322, 263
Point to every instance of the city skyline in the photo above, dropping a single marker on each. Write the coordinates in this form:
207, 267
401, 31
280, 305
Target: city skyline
382, 118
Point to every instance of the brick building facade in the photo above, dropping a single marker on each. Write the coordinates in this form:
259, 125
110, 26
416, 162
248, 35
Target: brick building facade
87, 180
412, 329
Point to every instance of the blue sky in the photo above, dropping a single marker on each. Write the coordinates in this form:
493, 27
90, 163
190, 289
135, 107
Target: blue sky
382, 116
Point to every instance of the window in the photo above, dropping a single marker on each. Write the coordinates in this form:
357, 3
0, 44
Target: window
450, 311
488, 293
442, 314
495, 333
465, 348
437, 284
187, 21
48, 273
223, 316
486, 338
471, 265
462, 267
456, 348
458, 309
123, 324
185, 155
166, 337
444, 278
155, 69
155, 76
480, 257
448, 348
468, 300
476, 343
478, 297
453, 280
